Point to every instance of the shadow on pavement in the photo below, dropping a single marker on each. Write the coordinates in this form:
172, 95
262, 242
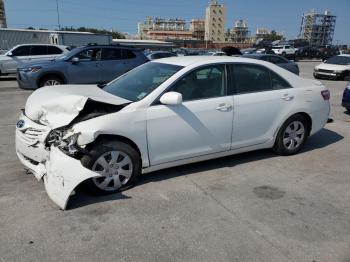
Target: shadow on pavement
321, 139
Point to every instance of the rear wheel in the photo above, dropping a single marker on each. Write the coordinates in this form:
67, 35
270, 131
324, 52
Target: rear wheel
292, 136
50, 81
118, 163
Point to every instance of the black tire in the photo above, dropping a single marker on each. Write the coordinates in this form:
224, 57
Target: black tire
346, 76
280, 148
98, 151
53, 78
284, 54
348, 109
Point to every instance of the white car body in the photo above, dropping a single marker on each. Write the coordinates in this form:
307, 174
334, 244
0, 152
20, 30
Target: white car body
165, 135
284, 50
10, 61
332, 70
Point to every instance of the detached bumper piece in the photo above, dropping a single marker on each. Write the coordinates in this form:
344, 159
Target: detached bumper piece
61, 173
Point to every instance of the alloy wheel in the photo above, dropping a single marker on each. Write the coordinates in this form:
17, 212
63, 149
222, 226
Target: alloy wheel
51, 82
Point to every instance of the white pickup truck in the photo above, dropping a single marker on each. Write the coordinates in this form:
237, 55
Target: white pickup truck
284, 50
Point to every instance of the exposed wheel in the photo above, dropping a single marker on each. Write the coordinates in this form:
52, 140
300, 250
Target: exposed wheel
292, 136
50, 81
118, 163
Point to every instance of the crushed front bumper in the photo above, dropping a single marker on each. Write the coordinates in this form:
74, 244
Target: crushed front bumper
61, 173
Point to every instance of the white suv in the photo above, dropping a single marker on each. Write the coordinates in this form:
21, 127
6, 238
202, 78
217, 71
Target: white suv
284, 50
22, 54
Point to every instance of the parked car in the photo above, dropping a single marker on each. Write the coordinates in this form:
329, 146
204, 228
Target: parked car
307, 52
90, 64
216, 53
346, 98
21, 54
277, 60
336, 67
328, 52
165, 113
246, 51
159, 54
284, 50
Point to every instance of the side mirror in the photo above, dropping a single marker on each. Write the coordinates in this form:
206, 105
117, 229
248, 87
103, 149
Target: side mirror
9, 54
171, 98
75, 60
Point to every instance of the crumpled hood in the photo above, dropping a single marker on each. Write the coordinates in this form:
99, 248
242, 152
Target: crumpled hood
57, 106
42, 63
333, 67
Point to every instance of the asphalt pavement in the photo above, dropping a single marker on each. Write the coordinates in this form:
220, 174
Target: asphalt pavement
249, 207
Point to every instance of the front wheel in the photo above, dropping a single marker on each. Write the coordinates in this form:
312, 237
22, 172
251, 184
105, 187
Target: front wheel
51, 81
118, 163
292, 136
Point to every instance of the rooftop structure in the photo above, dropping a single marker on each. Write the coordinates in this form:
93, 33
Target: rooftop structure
318, 28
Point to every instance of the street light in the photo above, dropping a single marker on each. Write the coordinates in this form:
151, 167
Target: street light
58, 15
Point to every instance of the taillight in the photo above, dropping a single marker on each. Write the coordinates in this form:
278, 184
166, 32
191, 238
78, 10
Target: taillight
326, 94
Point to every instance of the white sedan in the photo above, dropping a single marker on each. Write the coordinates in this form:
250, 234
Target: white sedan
165, 113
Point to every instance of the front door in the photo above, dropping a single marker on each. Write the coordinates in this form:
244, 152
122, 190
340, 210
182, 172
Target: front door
201, 125
262, 99
87, 69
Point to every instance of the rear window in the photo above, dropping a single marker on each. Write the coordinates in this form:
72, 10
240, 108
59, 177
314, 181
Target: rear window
54, 50
38, 50
128, 54
111, 54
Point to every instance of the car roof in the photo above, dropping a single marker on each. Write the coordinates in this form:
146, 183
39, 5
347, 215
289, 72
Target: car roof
346, 55
63, 46
203, 60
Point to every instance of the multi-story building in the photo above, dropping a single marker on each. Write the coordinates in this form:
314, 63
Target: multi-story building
318, 28
2, 15
239, 33
144, 27
215, 22
160, 24
197, 27
262, 32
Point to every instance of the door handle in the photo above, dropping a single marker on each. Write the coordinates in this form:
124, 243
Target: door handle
223, 107
287, 97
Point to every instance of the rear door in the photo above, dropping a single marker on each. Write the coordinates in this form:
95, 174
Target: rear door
111, 64
38, 52
262, 99
87, 70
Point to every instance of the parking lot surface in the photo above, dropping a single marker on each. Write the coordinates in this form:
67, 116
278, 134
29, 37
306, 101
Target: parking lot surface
250, 207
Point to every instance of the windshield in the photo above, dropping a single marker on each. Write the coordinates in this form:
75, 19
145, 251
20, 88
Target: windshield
339, 60
138, 83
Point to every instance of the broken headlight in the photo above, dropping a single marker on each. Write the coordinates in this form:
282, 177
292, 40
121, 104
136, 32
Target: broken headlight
65, 140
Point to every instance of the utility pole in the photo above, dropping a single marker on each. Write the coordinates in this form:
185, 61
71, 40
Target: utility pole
58, 15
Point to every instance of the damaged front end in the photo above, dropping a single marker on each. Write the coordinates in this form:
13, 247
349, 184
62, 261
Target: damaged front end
53, 154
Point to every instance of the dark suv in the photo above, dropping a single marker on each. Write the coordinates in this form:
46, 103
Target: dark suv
92, 64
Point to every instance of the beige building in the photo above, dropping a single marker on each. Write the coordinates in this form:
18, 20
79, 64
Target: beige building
2, 15
215, 22
197, 27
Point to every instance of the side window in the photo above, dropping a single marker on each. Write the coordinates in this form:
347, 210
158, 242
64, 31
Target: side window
128, 54
53, 50
38, 50
278, 82
277, 60
111, 54
249, 78
87, 55
21, 51
206, 82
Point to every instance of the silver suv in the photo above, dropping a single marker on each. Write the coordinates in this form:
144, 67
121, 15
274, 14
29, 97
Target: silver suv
21, 54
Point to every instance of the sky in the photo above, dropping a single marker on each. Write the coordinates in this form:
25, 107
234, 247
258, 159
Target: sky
123, 15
